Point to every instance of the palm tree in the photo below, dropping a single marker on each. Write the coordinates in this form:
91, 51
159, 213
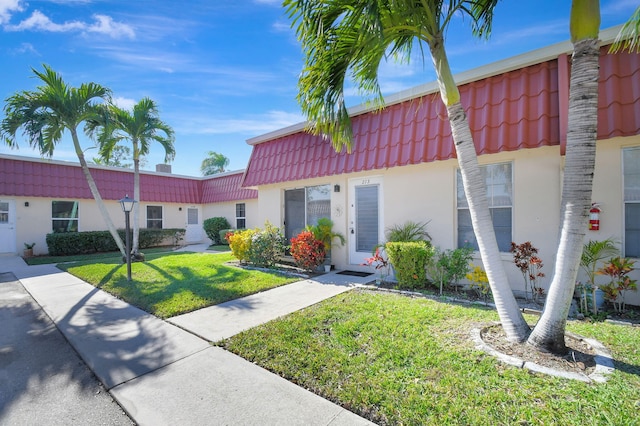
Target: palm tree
140, 126
213, 164
44, 115
579, 165
353, 36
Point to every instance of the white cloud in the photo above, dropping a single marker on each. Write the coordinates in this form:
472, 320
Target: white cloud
26, 48
124, 103
7, 7
103, 25
250, 126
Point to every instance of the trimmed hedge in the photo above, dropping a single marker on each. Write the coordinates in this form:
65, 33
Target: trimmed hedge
213, 226
409, 260
70, 243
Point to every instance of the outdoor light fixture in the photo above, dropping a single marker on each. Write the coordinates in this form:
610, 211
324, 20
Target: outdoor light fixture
127, 205
336, 188
26, 204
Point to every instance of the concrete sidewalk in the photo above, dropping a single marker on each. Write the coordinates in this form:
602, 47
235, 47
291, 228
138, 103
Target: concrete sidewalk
164, 374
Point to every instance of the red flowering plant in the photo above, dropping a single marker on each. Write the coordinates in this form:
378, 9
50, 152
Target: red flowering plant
308, 252
525, 256
380, 263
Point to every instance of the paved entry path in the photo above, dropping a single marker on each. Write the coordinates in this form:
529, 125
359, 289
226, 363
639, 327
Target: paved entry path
167, 372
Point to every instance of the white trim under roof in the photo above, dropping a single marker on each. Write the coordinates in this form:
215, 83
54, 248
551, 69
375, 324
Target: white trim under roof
523, 60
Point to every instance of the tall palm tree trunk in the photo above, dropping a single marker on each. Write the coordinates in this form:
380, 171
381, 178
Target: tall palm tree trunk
96, 193
514, 324
576, 194
136, 206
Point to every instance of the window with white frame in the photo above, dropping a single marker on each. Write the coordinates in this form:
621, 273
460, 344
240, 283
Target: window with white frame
241, 216
499, 182
631, 171
64, 216
154, 217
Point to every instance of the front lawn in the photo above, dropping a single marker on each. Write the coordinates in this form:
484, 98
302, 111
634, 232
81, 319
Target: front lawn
401, 360
170, 284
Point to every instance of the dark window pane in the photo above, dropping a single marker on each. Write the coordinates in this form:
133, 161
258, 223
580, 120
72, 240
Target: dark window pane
632, 230
466, 237
154, 217
501, 225
241, 223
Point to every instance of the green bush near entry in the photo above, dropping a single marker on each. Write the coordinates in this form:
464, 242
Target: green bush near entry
409, 260
213, 226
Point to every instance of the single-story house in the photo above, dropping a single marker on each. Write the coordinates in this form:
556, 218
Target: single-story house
402, 168
403, 164
38, 197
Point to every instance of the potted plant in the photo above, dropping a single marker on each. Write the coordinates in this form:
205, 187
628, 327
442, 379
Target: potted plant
323, 231
592, 253
28, 249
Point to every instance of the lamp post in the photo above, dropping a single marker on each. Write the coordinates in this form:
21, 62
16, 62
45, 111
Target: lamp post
127, 205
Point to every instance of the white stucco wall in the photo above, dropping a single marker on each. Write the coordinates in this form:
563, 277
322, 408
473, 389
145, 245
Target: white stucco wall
426, 192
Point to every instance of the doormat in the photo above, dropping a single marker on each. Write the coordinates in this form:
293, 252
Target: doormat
355, 273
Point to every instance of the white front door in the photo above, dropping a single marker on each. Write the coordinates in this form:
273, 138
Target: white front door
7, 226
194, 229
365, 217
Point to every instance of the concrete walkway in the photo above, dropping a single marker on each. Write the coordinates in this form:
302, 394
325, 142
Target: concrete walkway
167, 372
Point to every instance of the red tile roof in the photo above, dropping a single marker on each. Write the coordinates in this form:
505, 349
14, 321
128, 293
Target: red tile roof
22, 176
510, 111
226, 188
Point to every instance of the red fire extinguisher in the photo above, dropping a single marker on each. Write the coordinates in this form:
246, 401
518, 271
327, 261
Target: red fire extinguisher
594, 217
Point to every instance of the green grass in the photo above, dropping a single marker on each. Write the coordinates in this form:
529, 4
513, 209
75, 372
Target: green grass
171, 284
400, 360
219, 247
41, 260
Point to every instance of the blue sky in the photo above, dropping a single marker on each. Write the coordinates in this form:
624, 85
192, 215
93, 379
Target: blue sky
222, 71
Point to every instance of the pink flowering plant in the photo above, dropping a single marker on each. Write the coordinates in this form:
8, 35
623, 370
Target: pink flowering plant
380, 263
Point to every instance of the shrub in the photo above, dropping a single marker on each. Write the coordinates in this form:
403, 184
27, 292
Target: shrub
409, 231
70, 243
617, 269
267, 246
525, 256
479, 280
307, 251
409, 259
240, 244
213, 226
223, 235
449, 266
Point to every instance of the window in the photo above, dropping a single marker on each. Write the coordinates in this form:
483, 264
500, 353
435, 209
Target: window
498, 180
241, 216
4, 212
64, 216
304, 207
154, 217
631, 170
